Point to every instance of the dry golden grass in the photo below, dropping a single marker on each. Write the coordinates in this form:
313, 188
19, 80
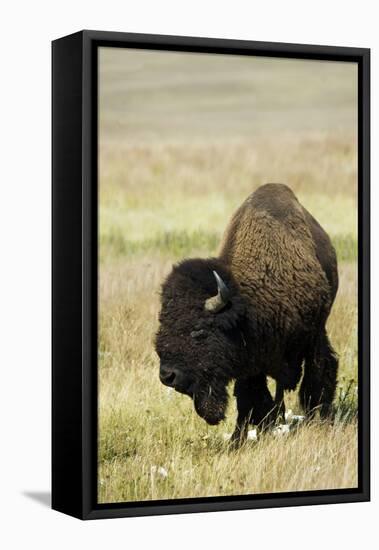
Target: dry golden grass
170, 179
144, 425
156, 188
198, 462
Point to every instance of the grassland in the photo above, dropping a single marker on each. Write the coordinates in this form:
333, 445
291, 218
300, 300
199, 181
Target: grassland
168, 185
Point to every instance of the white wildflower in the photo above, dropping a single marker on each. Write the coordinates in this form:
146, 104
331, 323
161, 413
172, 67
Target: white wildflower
282, 429
252, 435
162, 472
297, 418
169, 392
291, 418
288, 415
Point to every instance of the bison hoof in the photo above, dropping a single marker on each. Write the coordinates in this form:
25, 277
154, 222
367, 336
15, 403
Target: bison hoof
239, 437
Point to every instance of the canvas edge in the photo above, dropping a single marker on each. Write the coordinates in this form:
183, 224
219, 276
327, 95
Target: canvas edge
83, 503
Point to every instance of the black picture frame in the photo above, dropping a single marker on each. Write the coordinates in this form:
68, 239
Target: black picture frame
74, 272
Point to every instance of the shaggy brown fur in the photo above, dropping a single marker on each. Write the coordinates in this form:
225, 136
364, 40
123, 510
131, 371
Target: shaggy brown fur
281, 271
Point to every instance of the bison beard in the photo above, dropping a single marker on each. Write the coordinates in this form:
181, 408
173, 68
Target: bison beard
210, 400
259, 309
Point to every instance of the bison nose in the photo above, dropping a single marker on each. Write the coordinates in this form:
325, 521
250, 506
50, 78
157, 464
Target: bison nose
176, 378
167, 376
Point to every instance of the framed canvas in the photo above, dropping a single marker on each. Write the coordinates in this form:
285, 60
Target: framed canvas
210, 274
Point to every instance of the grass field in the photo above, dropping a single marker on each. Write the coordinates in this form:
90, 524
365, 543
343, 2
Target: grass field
182, 143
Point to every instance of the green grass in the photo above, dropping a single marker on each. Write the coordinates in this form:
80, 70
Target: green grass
180, 244
346, 247
176, 244
346, 401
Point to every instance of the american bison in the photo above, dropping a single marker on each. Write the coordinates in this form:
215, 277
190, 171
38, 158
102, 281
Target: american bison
259, 309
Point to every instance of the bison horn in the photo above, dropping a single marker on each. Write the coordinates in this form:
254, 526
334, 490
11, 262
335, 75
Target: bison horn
218, 302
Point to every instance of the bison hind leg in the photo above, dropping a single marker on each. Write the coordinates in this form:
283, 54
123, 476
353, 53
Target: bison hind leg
320, 378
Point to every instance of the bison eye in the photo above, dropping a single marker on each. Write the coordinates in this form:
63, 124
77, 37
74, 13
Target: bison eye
198, 334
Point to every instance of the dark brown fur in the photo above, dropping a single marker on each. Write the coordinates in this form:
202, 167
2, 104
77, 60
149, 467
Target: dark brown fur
281, 269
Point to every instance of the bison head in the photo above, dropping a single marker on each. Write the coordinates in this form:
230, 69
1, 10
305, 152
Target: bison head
200, 340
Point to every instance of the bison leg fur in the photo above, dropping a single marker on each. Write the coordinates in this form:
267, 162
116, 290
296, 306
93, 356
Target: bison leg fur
255, 405
320, 378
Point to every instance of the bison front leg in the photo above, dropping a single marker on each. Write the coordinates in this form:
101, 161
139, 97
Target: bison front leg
255, 405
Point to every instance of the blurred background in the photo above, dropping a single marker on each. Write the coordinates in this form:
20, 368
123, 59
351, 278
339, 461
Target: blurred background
184, 134
183, 140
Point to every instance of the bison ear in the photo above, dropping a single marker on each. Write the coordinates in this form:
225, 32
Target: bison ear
218, 302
